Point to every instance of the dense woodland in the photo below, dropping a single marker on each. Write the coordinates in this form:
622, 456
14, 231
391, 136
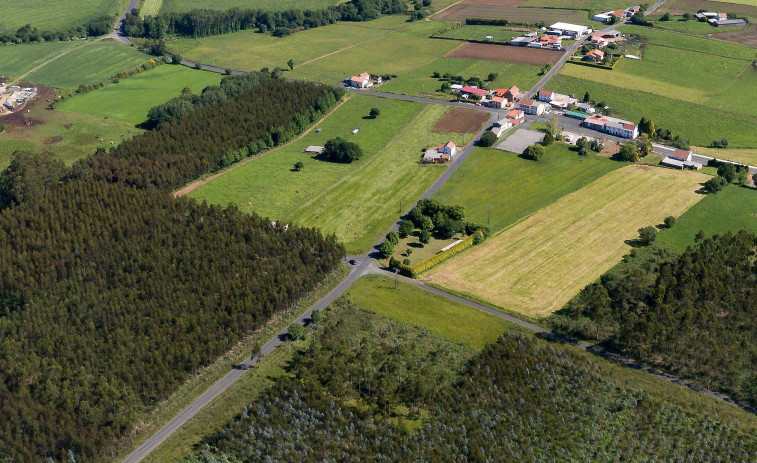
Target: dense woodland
110, 296
362, 394
92, 28
692, 315
205, 22
214, 136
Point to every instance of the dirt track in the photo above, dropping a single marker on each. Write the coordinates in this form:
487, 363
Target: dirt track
506, 53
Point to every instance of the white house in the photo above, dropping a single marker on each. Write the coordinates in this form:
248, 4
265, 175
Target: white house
546, 95
441, 153
572, 30
586, 107
602, 17
535, 108
680, 159
612, 126
360, 81
515, 116
500, 127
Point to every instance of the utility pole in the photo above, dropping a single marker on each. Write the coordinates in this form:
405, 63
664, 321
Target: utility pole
400, 207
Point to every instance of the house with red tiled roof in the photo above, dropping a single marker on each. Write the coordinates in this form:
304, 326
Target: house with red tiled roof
473, 91
441, 153
360, 81
546, 95
612, 126
496, 102
516, 116
595, 55
535, 108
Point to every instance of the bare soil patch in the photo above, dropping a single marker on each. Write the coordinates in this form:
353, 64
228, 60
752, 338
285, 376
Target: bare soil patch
53, 140
508, 3
18, 118
747, 36
460, 120
610, 149
506, 53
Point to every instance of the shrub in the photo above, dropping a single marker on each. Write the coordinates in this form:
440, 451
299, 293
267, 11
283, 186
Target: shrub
715, 184
425, 236
406, 228
393, 237
534, 152
386, 249
374, 113
647, 235
629, 153
488, 139
670, 221
296, 332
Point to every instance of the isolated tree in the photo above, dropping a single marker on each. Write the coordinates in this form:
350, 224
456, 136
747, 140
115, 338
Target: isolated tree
445, 87
582, 142
647, 126
386, 249
290, 63
406, 261
176, 59
553, 126
715, 184
670, 221
198, 66
228, 71
298, 166
583, 151
492, 76
296, 332
586, 97
425, 236
406, 228
374, 113
393, 237
488, 139
727, 171
647, 235
534, 152
629, 152
548, 139
339, 150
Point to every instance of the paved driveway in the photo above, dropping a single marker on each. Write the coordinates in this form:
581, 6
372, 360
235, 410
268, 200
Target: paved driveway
520, 140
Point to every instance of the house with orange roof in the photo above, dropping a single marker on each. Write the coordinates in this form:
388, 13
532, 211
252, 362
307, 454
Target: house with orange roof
496, 102
515, 116
612, 126
360, 81
595, 55
441, 153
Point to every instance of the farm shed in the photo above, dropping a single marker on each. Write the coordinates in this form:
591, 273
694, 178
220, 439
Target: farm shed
314, 149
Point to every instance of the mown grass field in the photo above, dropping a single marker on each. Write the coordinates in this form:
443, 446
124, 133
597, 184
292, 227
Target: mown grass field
357, 201
54, 16
733, 209
131, 99
498, 33
701, 44
270, 5
16, 60
418, 307
89, 65
745, 156
249, 50
589, 5
515, 187
463, 10
742, 8
698, 123
538, 264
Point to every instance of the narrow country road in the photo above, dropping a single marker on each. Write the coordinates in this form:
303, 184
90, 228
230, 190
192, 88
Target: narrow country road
117, 34
555, 68
654, 7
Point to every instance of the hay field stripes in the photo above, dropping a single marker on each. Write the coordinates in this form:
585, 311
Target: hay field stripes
538, 264
50, 60
150, 7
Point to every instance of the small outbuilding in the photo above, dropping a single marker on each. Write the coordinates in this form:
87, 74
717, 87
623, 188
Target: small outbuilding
314, 149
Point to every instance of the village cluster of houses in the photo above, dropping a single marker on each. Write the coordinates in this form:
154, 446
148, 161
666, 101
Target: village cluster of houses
13, 96
552, 37
719, 19
362, 81
607, 16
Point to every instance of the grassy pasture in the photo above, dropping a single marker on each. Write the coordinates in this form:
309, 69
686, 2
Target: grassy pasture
150, 7
742, 8
249, 50
357, 201
698, 123
418, 307
169, 6
515, 187
463, 10
130, 99
745, 156
689, 42
15, 60
733, 209
538, 264
88, 65
53, 16
589, 5
498, 33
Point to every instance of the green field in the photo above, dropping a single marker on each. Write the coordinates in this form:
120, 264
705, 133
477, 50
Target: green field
516, 187
536, 266
54, 16
424, 309
678, 7
733, 209
688, 42
249, 50
87, 65
698, 123
498, 33
591, 5
357, 201
16, 60
746, 156
170, 6
130, 99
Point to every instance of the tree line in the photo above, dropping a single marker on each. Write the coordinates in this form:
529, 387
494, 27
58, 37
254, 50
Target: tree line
212, 137
692, 315
93, 28
206, 22
391, 395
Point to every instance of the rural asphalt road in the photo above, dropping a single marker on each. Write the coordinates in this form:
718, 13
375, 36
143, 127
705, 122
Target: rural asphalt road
117, 35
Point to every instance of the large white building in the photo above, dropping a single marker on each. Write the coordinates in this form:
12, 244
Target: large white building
572, 30
613, 126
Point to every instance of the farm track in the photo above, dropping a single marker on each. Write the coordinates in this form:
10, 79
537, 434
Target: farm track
197, 184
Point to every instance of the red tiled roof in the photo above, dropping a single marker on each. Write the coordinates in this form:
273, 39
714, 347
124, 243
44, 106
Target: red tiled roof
527, 102
546, 92
498, 99
514, 114
450, 144
629, 126
681, 154
475, 91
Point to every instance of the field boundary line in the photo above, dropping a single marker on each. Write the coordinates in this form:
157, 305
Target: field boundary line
705, 37
703, 52
442, 10
334, 52
41, 65
198, 183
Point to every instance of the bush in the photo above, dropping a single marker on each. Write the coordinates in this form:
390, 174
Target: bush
425, 236
406, 228
670, 221
534, 152
374, 113
629, 153
647, 235
488, 139
548, 139
393, 237
296, 332
715, 184
339, 150
386, 249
